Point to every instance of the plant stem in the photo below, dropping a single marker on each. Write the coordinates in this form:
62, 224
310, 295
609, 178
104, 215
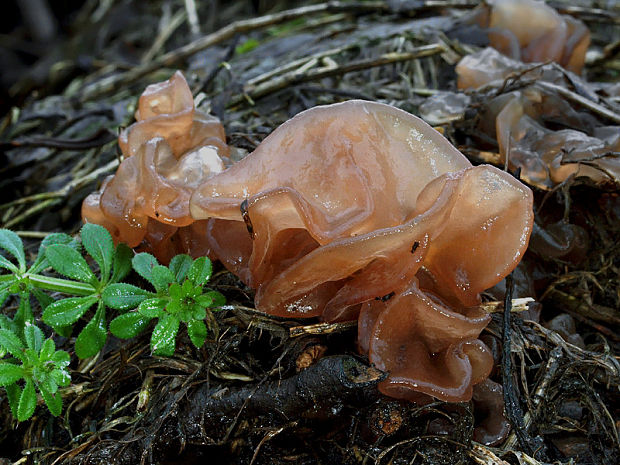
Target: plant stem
61, 285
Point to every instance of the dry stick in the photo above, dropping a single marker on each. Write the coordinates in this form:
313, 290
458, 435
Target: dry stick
178, 55
513, 410
589, 104
296, 77
549, 371
518, 305
163, 36
51, 198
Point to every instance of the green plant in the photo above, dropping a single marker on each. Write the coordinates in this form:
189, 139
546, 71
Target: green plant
62, 253
30, 360
179, 297
39, 364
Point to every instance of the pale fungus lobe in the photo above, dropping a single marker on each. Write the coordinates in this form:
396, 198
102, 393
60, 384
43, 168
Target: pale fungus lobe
167, 153
361, 210
531, 31
536, 129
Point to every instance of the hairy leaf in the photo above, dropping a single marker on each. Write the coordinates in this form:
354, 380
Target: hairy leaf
99, 245
69, 262
123, 296
67, 311
200, 271
197, 331
180, 265
128, 325
163, 339
144, 263
27, 402
10, 373
13, 245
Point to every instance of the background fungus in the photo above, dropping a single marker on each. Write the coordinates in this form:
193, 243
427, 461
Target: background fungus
169, 150
531, 31
525, 122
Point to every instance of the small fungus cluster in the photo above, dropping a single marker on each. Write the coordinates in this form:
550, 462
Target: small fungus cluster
525, 122
168, 152
531, 31
350, 211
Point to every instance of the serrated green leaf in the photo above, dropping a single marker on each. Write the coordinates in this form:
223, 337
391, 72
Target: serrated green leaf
67, 311
13, 393
121, 296
128, 325
47, 350
152, 308
53, 401
175, 291
218, 298
162, 277
13, 245
47, 382
23, 314
61, 377
34, 337
163, 339
198, 312
4, 294
180, 265
69, 262
197, 331
144, 263
7, 323
92, 338
204, 300
12, 343
200, 271
27, 402
97, 241
187, 289
61, 359
43, 299
55, 238
122, 262
7, 264
10, 373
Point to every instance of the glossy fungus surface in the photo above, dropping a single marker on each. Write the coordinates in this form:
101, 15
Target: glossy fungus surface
361, 207
531, 31
168, 152
525, 123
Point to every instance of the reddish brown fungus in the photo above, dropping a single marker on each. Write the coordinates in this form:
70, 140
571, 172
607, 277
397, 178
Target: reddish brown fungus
349, 210
337, 198
520, 121
168, 152
531, 31
492, 426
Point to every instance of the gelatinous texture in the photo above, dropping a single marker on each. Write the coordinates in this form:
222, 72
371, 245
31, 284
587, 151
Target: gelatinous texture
525, 123
531, 31
492, 426
353, 202
168, 152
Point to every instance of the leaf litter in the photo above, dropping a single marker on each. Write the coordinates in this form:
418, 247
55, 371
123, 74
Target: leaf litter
241, 397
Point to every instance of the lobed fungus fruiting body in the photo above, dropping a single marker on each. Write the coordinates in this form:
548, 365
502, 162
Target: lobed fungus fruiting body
531, 31
349, 211
168, 152
524, 123
359, 201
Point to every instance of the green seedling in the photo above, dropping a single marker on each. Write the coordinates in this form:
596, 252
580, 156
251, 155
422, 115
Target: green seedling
180, 296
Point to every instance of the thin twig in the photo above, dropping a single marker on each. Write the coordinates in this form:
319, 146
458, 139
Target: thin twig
296, 77
176, 56
584, 102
